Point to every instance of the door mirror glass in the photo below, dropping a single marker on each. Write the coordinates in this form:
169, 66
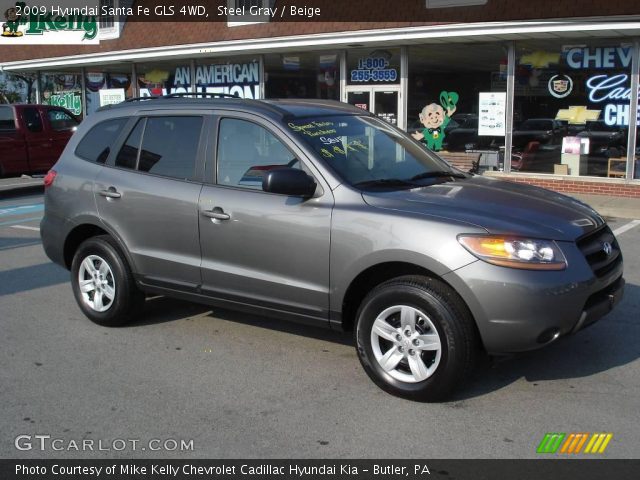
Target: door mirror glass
289, 181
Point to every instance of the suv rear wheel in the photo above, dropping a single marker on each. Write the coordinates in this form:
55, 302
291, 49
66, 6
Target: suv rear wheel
103, 284
415, 338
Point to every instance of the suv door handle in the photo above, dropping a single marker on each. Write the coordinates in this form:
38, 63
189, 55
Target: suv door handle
217, 214
111, 192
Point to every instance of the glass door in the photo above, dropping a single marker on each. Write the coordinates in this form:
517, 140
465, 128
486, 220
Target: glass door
384, 101
386, 105
360, 99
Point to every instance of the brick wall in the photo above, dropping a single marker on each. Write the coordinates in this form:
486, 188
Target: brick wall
592, 186
353, 14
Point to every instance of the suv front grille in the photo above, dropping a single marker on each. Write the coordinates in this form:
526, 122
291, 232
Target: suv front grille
592, 247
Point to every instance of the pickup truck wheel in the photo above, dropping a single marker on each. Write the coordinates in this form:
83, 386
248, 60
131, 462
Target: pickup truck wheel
103, 284
415, 338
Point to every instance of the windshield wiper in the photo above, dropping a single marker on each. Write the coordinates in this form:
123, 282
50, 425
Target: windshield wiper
439, 173
385, 182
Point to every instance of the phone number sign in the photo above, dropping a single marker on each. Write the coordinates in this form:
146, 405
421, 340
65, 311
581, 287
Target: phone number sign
374, 70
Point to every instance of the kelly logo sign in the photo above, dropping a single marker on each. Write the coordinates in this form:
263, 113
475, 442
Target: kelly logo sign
70, 100
45, 24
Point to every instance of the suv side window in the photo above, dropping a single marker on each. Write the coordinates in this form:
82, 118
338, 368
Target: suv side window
61, 120
246, 151
32, 119
128, 154
96, 144
170, 146
7, 119
166, 146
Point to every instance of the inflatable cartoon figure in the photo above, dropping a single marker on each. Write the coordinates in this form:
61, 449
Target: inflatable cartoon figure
435, 119
10, 28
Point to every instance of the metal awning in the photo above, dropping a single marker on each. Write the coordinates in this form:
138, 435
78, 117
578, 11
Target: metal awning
609, 27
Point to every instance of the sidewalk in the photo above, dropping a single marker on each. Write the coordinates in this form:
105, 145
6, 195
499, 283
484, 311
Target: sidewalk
19, 185
616, 207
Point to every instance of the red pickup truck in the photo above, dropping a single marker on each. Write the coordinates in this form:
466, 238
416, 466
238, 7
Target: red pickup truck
32, 137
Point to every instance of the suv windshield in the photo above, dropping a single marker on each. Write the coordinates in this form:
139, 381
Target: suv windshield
367, 152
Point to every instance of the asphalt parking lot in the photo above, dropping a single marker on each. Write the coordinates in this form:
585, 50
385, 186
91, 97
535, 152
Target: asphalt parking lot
241, 386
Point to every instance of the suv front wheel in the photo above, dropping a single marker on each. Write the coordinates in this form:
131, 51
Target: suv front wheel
103, 284
415, 338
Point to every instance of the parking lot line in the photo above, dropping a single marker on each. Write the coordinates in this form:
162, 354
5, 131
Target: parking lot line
21, 209
627, 227
26, 227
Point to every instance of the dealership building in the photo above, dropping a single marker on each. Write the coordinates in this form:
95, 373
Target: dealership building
536, 92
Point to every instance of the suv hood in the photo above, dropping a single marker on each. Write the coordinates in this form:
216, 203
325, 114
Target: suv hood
497, 206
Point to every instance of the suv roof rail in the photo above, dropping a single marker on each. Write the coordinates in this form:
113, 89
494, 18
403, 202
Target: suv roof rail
183, 94
269, 105
139, 99
203, 94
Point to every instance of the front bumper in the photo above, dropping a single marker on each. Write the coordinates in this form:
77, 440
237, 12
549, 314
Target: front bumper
520, 310
600, 303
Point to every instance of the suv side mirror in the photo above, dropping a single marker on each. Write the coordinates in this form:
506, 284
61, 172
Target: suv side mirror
289, 181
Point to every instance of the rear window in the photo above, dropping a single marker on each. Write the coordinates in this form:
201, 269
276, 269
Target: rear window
97, 143
7, 119
61, 120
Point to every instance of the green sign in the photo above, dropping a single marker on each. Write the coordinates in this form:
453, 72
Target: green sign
72, 101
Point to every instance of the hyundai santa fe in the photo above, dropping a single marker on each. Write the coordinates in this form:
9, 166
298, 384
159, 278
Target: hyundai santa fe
321, 213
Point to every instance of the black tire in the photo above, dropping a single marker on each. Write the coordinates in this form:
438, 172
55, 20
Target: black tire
456, 332
127, 299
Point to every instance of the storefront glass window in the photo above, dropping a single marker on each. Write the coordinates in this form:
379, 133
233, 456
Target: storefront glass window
457, 100
162, 78
62, 90
238, 76
571, 107
107, 85
373, 82
378, 66
302, 75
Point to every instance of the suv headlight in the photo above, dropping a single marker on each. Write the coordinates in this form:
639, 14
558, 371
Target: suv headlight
514, 252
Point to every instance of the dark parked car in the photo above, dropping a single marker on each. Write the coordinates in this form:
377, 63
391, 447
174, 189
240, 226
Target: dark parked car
461, 118
321, 213
542, 130
465, 137
603, 137
32, 137
605, 141
536, 158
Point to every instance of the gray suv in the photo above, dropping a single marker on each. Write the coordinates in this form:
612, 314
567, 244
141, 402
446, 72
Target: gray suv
320, 213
